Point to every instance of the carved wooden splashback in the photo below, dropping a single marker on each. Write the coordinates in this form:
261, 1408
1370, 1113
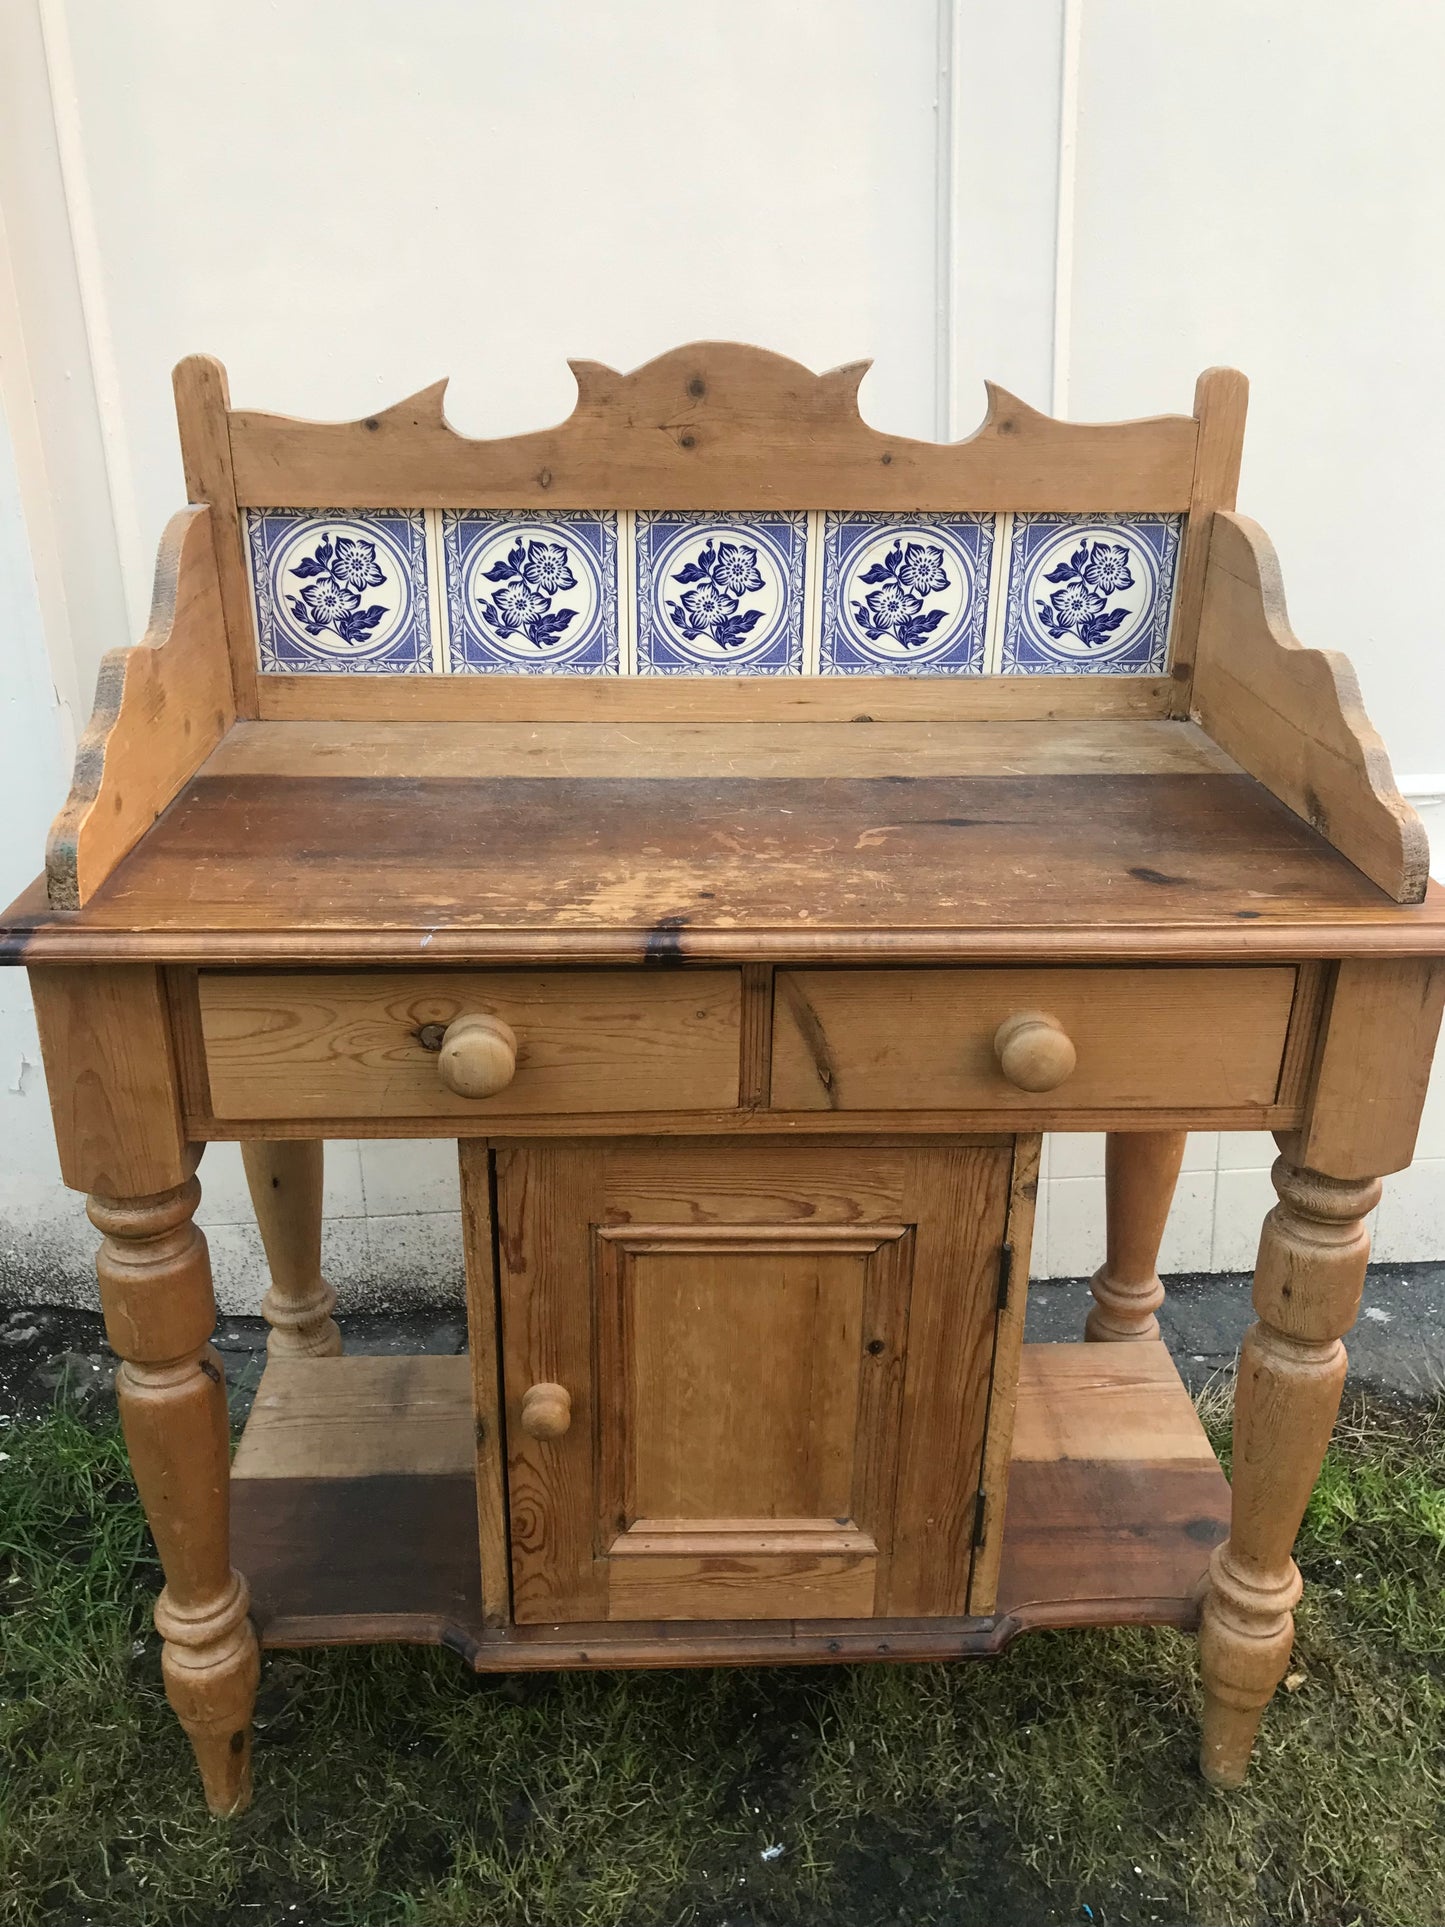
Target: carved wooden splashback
719, 514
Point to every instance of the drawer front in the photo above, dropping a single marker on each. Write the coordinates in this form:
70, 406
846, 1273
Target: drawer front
911, 1040
364, 1044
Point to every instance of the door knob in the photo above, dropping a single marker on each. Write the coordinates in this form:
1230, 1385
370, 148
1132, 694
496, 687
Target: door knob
478, 1056
1034, 1050
546, 1411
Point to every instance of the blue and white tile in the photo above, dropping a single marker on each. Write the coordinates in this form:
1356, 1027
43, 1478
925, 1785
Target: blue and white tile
905, 595
532, 595
340, 592
719, 595
1089, 594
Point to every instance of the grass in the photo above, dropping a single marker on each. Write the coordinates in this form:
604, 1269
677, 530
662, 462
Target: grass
1056, 1784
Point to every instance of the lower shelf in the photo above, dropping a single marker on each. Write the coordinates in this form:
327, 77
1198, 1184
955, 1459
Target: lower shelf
353, 1516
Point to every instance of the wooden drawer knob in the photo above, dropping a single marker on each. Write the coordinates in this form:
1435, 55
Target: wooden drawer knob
546, 1411
1034, 1051
478, 1056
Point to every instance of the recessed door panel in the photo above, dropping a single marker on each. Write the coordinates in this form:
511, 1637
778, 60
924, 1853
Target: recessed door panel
739, 1361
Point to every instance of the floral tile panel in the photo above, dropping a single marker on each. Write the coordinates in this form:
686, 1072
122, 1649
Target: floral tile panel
1089, 594
341, 592
718, 595
905, 595
528, 595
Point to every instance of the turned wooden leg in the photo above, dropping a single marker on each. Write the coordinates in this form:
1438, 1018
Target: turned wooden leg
1307, 1284
1140, 1169
285, 1181
155, 1287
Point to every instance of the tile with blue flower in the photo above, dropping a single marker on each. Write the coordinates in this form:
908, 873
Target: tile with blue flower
719, 595
340, 592
1089, 594
905, 594
529, 595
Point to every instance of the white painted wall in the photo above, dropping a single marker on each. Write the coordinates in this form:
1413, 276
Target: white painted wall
1087, 199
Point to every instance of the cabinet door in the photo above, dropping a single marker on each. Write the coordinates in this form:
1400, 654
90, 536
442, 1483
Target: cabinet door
774, 1366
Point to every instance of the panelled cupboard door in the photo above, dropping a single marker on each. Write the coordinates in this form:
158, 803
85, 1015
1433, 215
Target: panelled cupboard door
746, 1381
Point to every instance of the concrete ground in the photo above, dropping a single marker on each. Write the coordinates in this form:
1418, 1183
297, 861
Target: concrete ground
1397, 1348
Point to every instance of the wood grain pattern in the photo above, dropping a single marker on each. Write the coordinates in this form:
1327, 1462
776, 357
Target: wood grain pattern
286, 1180
786, 747
105, 1038
1141, 1169
316, 1418
755, 1044
155, 1289
748, 1372
714, 425
1003, 1391
160, 708
554, 700
548, 1199
1307, 1284
737, 1371
739, 1127
1373, 1069
958, 1201
321, 1045
772, 1584
1105, 1434
202, 416
924, 1039
484, 1350
1293, 717
1098, 1403
698, 1183
1314, 983
1221, 401
748, 868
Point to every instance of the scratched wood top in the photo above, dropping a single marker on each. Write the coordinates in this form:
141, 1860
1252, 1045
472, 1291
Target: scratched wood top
767, 842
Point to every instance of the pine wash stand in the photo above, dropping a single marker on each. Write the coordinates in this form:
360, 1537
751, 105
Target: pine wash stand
746, 957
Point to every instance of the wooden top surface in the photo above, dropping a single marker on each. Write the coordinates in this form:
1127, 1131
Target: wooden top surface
476, 843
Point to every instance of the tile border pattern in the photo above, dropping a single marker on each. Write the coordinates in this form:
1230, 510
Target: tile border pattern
996, 636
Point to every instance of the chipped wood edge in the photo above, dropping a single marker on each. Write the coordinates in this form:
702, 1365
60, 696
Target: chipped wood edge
712, 425
160, 709
1294, 718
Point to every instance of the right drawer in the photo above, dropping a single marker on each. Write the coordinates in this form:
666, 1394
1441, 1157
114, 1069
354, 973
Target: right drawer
927, 1040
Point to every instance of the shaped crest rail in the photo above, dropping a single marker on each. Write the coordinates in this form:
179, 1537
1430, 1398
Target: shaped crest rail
714, 425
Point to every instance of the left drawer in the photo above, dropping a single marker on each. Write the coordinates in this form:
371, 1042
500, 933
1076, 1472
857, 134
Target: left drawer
366, 1044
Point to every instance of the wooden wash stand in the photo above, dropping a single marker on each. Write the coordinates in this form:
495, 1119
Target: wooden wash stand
746, 999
